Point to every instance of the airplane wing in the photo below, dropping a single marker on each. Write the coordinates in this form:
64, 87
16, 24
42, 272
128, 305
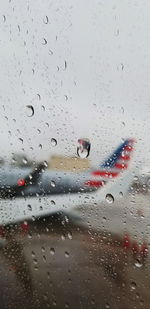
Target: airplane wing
20, 209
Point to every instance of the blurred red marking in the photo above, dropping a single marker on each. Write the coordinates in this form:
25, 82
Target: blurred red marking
105, 174
24, 227
125, 158
94, 183
21, 182
121, 166
126, 242
128, 148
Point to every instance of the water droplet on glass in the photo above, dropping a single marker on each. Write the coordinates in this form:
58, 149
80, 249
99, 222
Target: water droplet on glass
50, 52
66, 254
53, 142
45, 163
21, 140
66, 97
65, 65
44, 41
4, 18
138, 264
43, 108
35, 261
30, 110
123, 124
53, 184
45, 20
39, 97
133, 285
69, 235
83, 148
33, 254
29, 207
109, 198
120, 194
122, 66
52, 202
52, 251
44, 258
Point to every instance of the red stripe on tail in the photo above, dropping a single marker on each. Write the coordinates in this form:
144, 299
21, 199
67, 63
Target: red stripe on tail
121, 166
105, 174
94, 183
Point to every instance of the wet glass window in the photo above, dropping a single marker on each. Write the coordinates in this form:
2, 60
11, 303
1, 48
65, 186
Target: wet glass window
74, 161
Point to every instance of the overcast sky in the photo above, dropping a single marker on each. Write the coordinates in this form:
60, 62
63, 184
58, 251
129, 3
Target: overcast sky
84, 66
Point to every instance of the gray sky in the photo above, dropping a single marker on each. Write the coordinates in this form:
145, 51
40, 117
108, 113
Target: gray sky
84, 66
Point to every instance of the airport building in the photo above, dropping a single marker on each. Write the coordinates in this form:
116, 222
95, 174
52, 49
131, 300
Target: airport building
74, 164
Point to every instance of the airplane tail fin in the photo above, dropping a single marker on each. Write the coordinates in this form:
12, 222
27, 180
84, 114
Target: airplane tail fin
115, 164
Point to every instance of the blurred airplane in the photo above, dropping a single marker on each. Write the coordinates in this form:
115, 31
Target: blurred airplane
59, 190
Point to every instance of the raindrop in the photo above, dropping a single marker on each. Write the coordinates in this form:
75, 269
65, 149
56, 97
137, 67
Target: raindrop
44, 41
30, 235
36, 267
43, 108
83, 148
69, 235
45, 20
29, 207
45, 164
138, 264
35, 261
66, 254
30, 110
39, 97
123, 124
25, 161
52, 202
4, 18
52, 251
121, 194
33, 254
50, 52
65, 65
109, 198
133, 285
21, 140
66, 97
122, 66
53, 142
44, 258
40, 146
53, 184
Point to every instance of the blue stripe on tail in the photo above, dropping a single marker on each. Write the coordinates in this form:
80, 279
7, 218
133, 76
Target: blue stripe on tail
111, 161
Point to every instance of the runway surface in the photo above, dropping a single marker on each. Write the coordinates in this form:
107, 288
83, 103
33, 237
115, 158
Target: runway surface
79, 259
